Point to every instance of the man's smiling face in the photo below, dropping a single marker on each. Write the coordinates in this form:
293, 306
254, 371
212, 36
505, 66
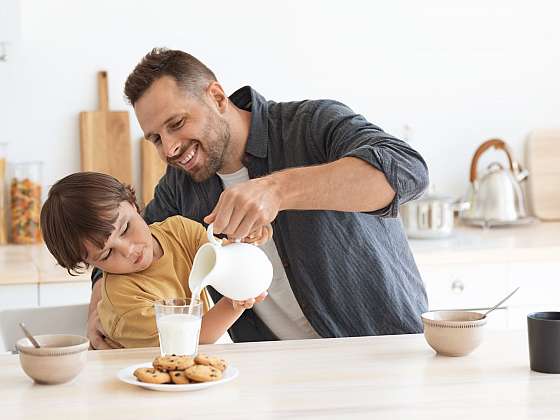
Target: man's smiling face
187, 131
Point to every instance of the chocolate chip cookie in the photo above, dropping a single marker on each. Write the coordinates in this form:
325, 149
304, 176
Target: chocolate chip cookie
152, 376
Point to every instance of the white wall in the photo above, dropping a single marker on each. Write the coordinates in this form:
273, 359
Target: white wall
456, 74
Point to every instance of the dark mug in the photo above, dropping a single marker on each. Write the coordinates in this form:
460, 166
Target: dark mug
544, 341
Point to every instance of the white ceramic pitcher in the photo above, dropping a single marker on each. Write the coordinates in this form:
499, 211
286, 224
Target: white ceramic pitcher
238, 270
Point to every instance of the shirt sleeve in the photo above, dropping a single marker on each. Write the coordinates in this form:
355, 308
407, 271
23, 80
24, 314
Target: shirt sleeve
129, 319
337, 132
164, 203
136, 328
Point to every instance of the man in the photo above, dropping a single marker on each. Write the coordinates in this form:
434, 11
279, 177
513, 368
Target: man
329, 182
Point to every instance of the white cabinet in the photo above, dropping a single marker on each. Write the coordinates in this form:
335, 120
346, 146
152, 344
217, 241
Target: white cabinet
540, 283
481, 286
18, 296
498, 320
67, 293
9, 21
464, 286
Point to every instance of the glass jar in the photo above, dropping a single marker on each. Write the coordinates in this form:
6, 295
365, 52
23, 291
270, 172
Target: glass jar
3, 220
25, 194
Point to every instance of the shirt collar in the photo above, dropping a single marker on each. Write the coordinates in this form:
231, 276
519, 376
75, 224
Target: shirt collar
249, 99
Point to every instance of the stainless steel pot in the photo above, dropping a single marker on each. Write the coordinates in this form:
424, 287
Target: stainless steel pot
431, 216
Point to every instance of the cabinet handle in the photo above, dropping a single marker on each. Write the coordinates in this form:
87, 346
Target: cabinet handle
457, 286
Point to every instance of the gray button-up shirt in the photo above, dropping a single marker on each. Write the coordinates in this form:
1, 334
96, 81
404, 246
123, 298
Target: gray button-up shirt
352, 273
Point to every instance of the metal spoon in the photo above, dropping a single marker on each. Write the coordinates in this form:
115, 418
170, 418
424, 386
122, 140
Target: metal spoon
29, 336
500, 302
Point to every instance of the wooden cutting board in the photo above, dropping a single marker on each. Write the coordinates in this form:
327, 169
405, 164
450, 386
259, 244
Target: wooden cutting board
105, 138
543, 163
153, 168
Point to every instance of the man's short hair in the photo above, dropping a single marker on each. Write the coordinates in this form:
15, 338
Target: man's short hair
189, 73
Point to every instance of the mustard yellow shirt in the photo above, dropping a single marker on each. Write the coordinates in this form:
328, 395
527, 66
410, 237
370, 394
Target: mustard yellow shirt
126, 309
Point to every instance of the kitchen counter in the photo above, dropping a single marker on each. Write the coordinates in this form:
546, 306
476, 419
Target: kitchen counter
397, 377
20, 264
536, 242
32, 264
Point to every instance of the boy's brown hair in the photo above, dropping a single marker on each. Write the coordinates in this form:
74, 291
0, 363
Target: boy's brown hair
81, 207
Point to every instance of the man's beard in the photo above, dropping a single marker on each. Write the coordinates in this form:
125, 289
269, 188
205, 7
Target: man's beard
216, 135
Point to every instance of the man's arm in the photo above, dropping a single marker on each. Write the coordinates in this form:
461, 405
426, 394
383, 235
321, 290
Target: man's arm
348, 184
95, 333
368, 171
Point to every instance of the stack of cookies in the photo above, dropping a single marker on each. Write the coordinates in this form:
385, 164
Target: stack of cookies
182, 370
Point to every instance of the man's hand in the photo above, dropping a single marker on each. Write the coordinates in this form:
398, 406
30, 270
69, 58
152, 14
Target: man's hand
244, 209
95, 333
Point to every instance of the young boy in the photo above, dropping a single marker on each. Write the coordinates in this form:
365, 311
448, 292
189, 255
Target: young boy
91, 219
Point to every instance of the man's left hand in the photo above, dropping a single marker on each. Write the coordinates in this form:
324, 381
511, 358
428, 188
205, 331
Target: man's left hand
245, 208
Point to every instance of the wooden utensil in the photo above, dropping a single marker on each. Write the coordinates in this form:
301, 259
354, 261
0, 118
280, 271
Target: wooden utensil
543, 163
105, 138
153, 168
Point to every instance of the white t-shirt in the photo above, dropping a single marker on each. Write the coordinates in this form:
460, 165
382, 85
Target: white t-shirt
280, 310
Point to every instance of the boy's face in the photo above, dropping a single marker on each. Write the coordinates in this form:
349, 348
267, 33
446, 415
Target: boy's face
129, 249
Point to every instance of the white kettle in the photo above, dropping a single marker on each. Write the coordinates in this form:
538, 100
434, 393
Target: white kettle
238, 270
496, 197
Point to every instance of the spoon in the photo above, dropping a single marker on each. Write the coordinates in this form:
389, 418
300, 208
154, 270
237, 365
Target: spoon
500, 302
29, 336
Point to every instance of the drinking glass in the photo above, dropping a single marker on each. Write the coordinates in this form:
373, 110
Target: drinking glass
178, 326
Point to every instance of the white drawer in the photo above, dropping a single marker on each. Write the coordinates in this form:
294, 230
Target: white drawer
18, 296
498, 319
540, 283
517, 315
463, 286
67, 293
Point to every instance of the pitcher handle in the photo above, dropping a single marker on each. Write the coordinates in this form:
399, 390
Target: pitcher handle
211, 238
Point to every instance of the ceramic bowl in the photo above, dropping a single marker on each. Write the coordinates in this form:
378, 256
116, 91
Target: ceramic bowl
59, 359
453, 333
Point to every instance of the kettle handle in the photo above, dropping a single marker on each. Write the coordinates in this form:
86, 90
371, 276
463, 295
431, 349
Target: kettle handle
498, 145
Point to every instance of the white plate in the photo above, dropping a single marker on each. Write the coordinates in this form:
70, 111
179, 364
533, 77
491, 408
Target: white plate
126, 375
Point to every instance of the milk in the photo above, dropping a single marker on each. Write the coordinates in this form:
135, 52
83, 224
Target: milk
195, 298
178, 334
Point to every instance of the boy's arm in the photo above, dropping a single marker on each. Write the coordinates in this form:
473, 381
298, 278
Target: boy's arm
222, 316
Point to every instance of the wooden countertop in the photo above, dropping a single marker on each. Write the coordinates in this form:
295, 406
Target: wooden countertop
32, 264
397, 377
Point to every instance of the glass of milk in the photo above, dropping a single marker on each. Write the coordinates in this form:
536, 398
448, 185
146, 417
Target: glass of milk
178, 326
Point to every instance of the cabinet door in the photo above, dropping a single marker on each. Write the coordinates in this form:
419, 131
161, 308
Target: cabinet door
464, 286
498, 320
539, 283
67, 293
18, 296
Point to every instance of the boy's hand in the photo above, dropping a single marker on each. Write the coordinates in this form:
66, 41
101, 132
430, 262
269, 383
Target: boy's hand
248, 304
